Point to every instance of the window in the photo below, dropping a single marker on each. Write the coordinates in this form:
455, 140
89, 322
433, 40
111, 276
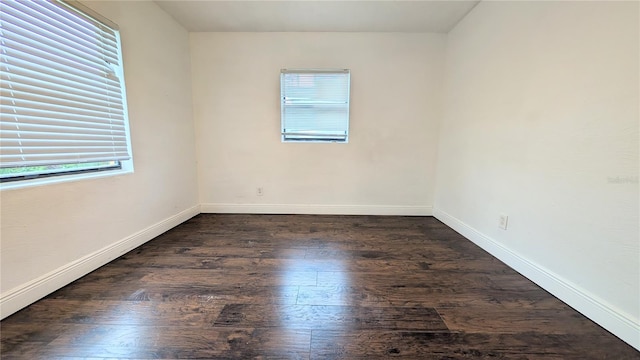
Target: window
63, 109
315, 105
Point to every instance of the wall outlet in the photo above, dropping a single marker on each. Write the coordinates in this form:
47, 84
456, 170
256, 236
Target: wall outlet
259, 191
503, 221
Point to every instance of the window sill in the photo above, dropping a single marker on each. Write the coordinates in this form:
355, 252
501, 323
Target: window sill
64, 178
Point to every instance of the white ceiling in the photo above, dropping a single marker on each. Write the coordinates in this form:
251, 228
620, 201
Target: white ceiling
318, 15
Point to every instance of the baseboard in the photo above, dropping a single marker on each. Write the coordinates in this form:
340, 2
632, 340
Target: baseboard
398, 210
21, 296
596, 309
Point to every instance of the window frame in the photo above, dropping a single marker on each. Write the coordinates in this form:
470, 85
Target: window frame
314, 136
123, 166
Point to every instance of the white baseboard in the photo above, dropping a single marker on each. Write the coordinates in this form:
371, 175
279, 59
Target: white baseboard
21, 296
593, 307
398, 210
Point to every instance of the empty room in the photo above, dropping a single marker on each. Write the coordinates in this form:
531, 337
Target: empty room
319, 179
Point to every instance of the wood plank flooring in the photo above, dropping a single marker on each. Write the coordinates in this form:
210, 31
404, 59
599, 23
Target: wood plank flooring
305, 287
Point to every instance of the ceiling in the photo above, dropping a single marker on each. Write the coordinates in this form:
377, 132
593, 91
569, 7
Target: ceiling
317, 15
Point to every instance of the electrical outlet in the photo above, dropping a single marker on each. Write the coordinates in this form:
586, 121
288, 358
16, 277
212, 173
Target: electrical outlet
503, 221
259, 191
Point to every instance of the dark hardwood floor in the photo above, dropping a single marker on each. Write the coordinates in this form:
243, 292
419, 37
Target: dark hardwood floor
306, 287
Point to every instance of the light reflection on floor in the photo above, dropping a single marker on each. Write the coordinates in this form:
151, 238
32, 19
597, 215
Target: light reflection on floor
291, 317
116, 332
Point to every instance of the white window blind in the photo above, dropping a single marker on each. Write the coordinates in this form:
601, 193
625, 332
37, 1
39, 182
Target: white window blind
315, 105
62, 90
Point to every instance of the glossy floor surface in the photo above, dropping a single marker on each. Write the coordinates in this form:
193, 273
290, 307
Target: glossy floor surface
306, 287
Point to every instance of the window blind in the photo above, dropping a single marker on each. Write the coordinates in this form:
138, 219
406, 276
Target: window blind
62, 94
315, 105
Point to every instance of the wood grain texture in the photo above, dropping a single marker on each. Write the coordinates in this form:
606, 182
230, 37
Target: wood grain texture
305, 287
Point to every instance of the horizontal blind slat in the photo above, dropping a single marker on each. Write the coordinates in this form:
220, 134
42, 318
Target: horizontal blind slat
24, 76
39, 137
17, 113
42, 12
57, 18
26, 39
16, 27
16, 104
10, 161
19, 58
315, 104
43, 99
53, 123
60, 149
37, 70
52, 89
54, 55
62, 100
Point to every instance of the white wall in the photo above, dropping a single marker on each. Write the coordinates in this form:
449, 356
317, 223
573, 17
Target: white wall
541, 123
55, 233
386, 168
